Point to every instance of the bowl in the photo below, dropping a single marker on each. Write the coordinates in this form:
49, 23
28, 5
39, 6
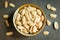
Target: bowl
14, 16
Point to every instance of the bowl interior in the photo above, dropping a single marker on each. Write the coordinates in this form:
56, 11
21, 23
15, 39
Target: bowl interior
14, 17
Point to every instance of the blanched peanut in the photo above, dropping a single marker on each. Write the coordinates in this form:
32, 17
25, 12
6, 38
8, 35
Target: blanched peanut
30, 15
7, 23
26, 26
37, 19
5, 16
6, 4
24, 20
11, 5
18, 17
25, 31
42, 18
48, 22
53, 8
25, 8
9, 33
31, 29
18, 23
40, 25
30, 8
20, 11
39, 12
31, 23
53, 15
35, 29
27, 12
21, 28
48, 6
37, 25
23, 12
27, 17
46, 32
34, 13
33, 8
56, 26
32, 19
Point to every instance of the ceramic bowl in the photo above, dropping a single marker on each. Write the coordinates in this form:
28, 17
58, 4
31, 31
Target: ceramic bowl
14, 17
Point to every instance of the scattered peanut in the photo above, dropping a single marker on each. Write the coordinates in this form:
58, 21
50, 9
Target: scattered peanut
48, 22
53, 8
11, 5
53, 15
5, 16
48, 6
46, 32
56, 25
9, 33
6, 22
6, 4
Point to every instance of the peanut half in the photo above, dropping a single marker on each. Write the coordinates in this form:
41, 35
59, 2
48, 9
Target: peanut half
11, 5
53, 15
56, 25
48, 22
48, 6
7, 23
5, 16
9, 33
6, 4
53, 8
46, 32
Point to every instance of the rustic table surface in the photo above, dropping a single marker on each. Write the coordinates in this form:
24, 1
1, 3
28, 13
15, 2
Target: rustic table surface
53, 34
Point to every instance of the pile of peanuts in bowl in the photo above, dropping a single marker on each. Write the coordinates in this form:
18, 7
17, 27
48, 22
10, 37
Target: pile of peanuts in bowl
29, 20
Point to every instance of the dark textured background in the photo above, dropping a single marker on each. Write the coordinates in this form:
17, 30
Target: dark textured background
54, 34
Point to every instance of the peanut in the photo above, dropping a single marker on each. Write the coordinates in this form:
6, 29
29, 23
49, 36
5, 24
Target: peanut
56, 25
53, 15
46, 32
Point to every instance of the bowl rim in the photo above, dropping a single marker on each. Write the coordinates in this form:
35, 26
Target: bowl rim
14, 16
